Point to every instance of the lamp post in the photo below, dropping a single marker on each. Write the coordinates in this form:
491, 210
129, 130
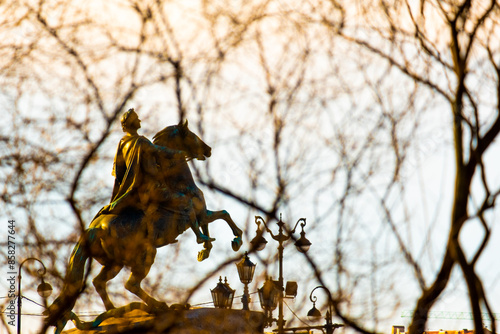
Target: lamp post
302, 244
222, 294
44, 289
246, 269
315, 314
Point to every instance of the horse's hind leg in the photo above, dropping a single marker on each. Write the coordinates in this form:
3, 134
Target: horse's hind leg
107, 273
139, 272
134, 285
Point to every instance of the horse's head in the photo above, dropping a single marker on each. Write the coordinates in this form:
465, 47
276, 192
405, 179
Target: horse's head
179, 137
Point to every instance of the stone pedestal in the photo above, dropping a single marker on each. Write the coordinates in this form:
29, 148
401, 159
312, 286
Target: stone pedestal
195, 321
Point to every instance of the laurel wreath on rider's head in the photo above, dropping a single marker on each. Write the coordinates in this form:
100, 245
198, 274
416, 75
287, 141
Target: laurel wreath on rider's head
126, 115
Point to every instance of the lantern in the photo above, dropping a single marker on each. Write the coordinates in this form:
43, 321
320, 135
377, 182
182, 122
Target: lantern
222, 295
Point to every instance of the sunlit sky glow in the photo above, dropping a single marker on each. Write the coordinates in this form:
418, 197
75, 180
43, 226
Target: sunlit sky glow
335, 104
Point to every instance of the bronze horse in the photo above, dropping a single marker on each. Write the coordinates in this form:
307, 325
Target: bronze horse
122, 240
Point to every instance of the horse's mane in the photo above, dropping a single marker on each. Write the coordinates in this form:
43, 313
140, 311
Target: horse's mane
165, 134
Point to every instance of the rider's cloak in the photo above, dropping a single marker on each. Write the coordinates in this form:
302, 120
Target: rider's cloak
135, 168
135, 160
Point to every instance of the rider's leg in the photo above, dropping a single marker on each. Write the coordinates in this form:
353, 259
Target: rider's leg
151, 215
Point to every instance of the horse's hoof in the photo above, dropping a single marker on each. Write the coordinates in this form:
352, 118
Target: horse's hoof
203, 254
159, 307
110, 307
236, 243
180, 307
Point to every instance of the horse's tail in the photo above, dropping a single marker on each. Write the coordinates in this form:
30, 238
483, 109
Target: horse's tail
73, 283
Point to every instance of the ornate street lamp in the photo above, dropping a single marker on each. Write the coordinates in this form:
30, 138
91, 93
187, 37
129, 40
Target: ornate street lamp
222, 295
246, 269
259, 242
302, 244
269, 296
44, 289
314, 314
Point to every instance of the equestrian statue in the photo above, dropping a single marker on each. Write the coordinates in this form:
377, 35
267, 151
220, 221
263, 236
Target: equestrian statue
154, 200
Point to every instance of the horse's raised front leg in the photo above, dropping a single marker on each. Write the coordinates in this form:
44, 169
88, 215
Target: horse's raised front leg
107, 273
210, 216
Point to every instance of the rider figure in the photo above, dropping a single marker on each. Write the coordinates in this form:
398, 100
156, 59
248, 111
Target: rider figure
135, 169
